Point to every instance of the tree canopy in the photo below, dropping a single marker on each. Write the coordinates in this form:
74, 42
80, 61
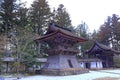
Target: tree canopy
40, 16
109, 32
61, 17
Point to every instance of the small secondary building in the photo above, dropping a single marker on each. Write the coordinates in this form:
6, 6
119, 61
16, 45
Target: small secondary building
103, 53
61, 59
8, 65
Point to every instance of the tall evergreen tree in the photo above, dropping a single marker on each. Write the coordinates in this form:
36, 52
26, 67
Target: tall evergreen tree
82, 31
61, 17
39, 16
23, 46
110, 31
8, 10
21, 38
22, 17
94, 36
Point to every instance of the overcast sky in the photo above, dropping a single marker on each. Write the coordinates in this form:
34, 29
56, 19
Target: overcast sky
93, 12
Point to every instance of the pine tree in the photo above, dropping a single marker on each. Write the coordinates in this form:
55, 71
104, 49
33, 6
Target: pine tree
8, 10
82, 31
110, 31
22, 17
61, 17
39, 16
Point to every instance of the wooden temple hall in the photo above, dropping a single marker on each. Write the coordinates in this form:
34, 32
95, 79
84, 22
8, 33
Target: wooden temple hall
61, 59
99, 56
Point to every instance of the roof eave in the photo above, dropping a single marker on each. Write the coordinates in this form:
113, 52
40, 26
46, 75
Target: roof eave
59, 31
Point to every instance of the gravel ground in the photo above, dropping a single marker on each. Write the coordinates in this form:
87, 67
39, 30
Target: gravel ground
92, 75
107, 78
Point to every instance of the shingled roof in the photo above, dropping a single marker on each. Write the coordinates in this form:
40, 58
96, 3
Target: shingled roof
54, 29
100, 47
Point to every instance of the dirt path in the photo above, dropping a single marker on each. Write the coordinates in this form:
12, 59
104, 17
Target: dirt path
108, 78
109, 72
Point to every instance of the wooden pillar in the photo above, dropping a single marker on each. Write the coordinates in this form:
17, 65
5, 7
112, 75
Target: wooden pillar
7, 67
107, 65
96, 65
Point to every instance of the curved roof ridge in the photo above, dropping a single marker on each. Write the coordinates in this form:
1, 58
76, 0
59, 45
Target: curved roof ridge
52, 28
103, 47
52, 24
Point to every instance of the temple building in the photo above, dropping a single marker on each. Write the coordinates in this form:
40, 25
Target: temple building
101, 55
61, 53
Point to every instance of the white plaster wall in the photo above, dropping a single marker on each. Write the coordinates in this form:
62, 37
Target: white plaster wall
100, 63
93, 65
97, 65
82, 65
